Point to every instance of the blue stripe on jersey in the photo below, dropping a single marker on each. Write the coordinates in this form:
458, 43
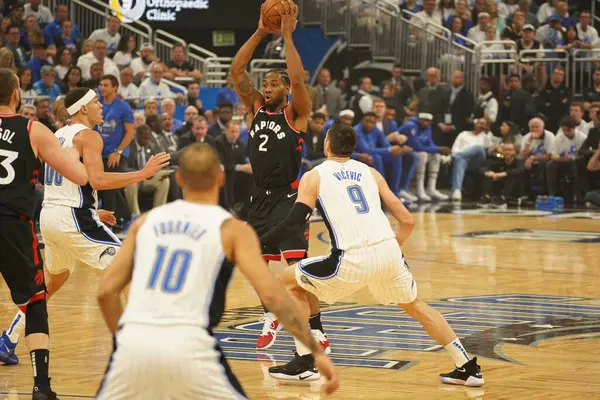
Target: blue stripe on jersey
333, 237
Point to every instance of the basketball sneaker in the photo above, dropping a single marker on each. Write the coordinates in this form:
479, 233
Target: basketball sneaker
43, 394
467, 375
7, 350
301, 368
269, 332
321, 338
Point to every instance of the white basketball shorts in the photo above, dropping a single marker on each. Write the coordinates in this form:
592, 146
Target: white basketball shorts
380, 267
187, 366
75, 235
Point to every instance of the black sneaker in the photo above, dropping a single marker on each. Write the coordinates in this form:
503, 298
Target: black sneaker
467, 375
485, 201
500, 202
43, 393
301, 368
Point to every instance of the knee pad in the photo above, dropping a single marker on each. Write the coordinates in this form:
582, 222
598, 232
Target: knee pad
36, 318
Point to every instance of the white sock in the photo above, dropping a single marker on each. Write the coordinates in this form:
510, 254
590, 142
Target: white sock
301, 349
16, 327
458, 352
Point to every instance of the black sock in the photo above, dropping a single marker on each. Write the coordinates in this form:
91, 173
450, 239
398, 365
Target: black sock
39, 360
315, 322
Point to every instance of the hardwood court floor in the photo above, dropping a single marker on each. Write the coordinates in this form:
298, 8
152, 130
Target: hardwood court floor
523, 291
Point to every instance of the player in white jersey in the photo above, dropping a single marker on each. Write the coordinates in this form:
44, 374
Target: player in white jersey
179, 259
72, 229
365, 252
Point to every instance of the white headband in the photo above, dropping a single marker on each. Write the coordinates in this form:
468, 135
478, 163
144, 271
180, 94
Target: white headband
74, 109
426, 116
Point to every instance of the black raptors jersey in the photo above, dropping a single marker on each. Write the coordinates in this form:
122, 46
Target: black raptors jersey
275, 149
18, 167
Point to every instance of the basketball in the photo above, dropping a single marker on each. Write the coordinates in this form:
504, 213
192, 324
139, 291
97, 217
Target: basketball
270, 14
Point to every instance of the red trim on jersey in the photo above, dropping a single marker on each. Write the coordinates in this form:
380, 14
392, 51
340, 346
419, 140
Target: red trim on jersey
270, 113
271, 257
294, 254
34, 245
36, 297
287, 119
295, 184
9, 115
29, 124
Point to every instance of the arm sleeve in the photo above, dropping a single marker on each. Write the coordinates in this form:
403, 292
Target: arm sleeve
299, 214
492, 110
366, 104
429, 146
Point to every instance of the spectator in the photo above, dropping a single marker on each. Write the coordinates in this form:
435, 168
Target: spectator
144, 63
67, 39
193, 94
430, 100
386, 157
197, 133
327, 94
189, 116
60, 117
411, 6
53, 29
142, 148
275, 48
546, 10
530, 18
127, 89
446, 9
507, 8
63, 64
389, 128
17, 12
72, 79
87, 46
502, 177
514, 31
518, 103
536, 151
238, 172
592, 94
31, 30
418, 132
496, 20
13, 43
458, 103
430, 18
139, 119
179, 67
593, 197
37, 61
28, 111
562, 10
312, 92
550, 35
478, 6
155, 122
166, 138
554, 100
469, 153
47, 86
362, 101
42, 108
42, 13
109, 35
125, 51
240, 113
168, 106
96, 73
98, 55
154, 85
509, 133
150, 107
487, 104
576, 112
402, 93
528, 42
28, 93
461, 11
224, 115
564, 153
7, 59
588, 35
315, 140
477, 33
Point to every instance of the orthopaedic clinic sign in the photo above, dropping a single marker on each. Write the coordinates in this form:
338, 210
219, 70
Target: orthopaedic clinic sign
155, 10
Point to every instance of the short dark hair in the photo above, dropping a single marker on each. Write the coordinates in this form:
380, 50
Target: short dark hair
390, 106
225, 104
397, 65
74, 95
342, 139
283, 74
319, 115
9, 84
13, 26
113, 80
568, 122
152, 118
143, 128
39, 46
369, 114
178, 44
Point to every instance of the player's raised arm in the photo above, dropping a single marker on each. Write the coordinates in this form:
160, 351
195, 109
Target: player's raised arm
116, 277
241, 246
244, 87
91, 144
308, 192
395, 206
64, 161
300, 97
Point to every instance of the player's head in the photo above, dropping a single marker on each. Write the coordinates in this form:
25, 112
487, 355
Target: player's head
200, 170
10, 92
340, 140
276, 88
82, 104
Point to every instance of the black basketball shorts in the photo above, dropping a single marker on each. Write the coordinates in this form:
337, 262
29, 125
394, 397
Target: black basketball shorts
269, 208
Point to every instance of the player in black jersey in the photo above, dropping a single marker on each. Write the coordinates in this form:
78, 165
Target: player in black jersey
22, 144
275, 141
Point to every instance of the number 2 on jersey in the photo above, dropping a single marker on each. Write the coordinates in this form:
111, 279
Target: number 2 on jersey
358, 197
265, 139
177, 268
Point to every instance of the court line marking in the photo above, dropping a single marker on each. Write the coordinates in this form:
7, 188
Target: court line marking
79, 396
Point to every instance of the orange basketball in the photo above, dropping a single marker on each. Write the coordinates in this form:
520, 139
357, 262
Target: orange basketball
270, 15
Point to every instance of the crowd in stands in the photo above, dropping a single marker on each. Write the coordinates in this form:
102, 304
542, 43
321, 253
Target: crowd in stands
506, 142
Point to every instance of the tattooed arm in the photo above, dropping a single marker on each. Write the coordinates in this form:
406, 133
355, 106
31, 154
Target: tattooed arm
241, 246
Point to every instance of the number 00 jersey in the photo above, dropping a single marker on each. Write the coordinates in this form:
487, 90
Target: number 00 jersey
350, 205
275, 149
62, 192
18, 167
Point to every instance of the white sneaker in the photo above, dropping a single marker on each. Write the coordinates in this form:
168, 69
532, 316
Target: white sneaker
408, 196
269, 332
423, 196
434, 193
456, 195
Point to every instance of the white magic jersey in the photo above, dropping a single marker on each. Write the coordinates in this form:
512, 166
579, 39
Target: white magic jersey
350, 205
180, 274
59, 191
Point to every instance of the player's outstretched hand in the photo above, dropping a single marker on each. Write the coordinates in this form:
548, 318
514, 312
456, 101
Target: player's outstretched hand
108, 217
329, 371
289, 17
156, 163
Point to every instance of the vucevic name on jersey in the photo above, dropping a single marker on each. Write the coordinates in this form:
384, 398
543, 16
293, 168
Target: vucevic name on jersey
18, 167
275, 149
